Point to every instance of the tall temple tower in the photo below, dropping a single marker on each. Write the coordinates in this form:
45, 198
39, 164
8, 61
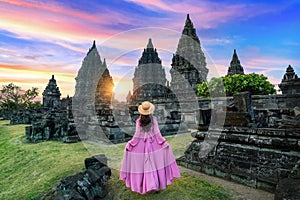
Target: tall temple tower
235, 65
93, 81
149, 79
51, 95
189, 62
93, 90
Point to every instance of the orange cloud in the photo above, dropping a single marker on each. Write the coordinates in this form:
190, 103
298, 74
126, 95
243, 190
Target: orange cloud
27, 78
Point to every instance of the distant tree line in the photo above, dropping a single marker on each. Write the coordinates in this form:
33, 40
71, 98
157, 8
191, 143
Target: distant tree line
257, 84
13, 98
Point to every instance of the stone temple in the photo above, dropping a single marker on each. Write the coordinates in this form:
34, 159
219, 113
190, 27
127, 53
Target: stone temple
189, 62
51, 94
93, 93
149, 81
290, 83
235, 65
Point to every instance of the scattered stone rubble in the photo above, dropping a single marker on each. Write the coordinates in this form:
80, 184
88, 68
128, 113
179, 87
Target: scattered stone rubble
87, 185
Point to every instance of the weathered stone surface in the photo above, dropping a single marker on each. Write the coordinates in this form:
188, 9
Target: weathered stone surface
87, 185
188, 63
87, 95
288, 188
22, 116
253, 156
51, 125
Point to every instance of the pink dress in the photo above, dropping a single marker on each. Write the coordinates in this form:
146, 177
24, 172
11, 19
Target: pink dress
148, 161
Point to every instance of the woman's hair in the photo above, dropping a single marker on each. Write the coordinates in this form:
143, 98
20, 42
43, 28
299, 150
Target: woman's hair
145, 122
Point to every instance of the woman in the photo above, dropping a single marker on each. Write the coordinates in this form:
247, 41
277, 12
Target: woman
148, 162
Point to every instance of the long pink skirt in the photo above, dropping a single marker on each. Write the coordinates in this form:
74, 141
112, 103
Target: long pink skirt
148, 164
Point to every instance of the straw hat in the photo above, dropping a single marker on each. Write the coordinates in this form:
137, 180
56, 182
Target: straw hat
146, 108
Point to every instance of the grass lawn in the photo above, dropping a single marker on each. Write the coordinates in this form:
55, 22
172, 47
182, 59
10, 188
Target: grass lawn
27, 171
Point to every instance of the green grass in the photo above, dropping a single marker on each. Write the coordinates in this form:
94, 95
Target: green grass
27, 171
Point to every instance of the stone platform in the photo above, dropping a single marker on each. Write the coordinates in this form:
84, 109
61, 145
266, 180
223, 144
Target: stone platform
257, 157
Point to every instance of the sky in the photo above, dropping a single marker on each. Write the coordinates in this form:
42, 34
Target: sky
41, 38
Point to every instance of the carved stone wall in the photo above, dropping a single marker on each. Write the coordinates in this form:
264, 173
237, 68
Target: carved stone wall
257, 147
255, 157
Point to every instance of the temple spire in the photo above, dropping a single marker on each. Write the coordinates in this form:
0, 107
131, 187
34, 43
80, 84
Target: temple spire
51, 95
290, 84
104, 62
149, 78
189, 61
235, 58
149, 55
93, 47
235, 65
189, 29
150, 45
290, 73
188, 22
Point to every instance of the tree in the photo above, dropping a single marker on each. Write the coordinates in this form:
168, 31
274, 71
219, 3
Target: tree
229, 85
12, 97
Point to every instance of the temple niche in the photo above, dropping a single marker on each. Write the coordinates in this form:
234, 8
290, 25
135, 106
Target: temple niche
235, 65
290, 83
188, 63
51, 95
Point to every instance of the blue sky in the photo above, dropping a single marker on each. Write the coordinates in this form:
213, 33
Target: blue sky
41, 38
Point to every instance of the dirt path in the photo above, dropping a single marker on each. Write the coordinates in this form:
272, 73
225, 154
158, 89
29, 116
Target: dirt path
238, 191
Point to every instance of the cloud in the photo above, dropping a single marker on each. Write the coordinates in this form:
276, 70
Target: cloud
45, 37
27, 78
209, 14
52, 21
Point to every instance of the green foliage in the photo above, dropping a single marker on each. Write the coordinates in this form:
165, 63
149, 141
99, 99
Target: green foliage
202, 90
229, 85
12, 97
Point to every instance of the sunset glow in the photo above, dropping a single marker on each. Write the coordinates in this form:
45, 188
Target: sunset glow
41, 38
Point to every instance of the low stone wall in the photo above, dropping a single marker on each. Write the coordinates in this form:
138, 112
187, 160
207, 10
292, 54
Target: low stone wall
279, 101
275, 101
255, 157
